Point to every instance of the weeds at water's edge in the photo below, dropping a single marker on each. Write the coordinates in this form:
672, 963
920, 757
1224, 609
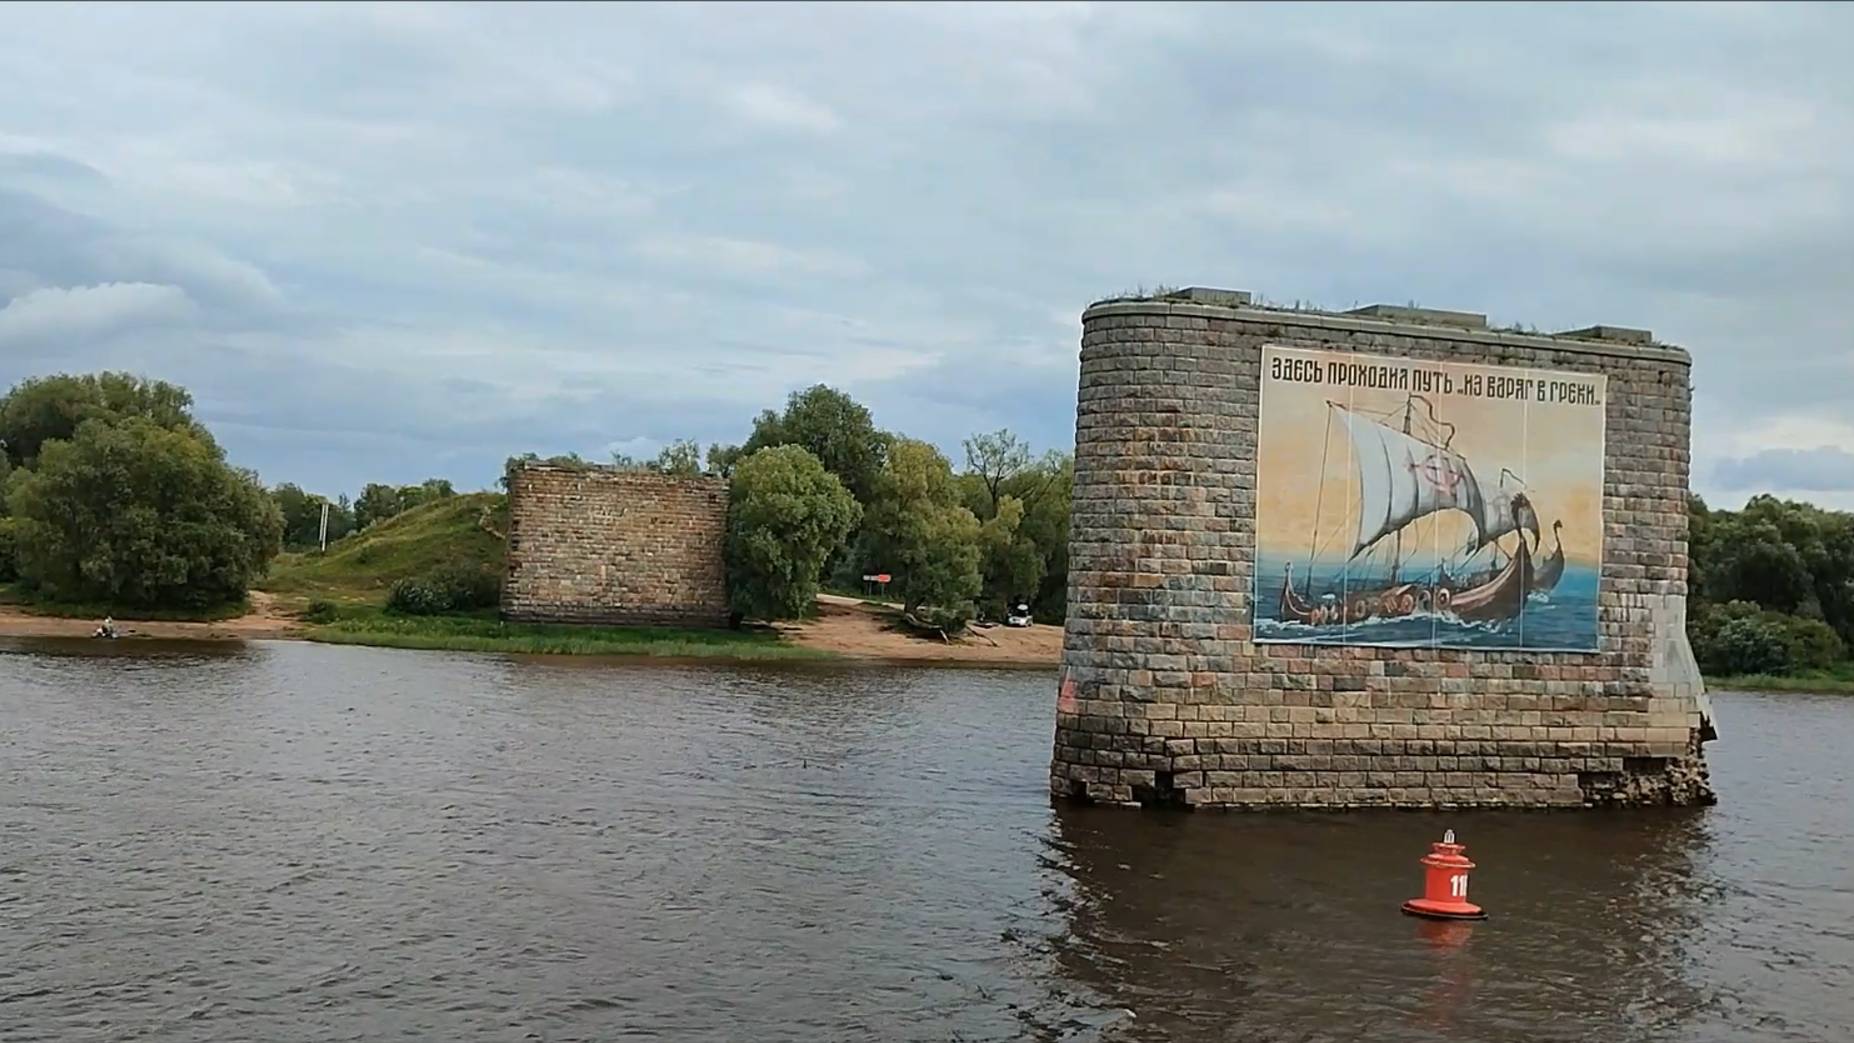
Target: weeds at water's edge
1840, 682
487, 634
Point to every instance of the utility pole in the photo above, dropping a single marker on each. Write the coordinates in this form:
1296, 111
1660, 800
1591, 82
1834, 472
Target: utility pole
324, 535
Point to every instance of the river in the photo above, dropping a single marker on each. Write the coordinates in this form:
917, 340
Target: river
281, 842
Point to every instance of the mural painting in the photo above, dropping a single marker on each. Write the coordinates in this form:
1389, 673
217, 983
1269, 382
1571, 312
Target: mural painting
1428, 504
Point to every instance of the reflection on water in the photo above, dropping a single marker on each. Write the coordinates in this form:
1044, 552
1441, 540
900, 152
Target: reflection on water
290, 842
1271, 925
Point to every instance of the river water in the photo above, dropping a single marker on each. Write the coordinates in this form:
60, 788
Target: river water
284, 842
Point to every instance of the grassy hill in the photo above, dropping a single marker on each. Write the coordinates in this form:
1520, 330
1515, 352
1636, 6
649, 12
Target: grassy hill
359, 569
353, 577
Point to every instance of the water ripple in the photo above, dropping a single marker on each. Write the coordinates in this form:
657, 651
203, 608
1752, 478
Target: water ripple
289, 842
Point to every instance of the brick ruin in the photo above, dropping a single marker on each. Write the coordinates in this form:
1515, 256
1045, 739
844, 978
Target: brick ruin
1170, 692
598, 545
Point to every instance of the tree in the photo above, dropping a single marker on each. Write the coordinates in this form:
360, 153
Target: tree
995, 458
376, 503
1044, 486
142, 515
302, 516
1047, 490
1012, 564
379, 502
917, 528
831, 425
1784, 556
45, 409
786, 514
681, 457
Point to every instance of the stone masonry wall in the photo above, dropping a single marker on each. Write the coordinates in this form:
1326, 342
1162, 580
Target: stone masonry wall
1166, 698
616, 547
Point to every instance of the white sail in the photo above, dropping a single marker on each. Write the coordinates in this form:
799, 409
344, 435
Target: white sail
1502, 510
1401, 479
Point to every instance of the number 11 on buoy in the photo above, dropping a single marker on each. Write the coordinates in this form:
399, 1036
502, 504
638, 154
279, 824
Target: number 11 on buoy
1445, 884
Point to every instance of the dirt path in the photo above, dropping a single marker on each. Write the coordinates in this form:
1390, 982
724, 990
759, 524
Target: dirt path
853, 628
264, 620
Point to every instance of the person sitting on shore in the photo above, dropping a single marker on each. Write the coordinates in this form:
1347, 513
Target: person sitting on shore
107, 629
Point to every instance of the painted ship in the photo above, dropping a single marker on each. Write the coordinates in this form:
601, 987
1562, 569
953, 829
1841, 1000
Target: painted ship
1406, 471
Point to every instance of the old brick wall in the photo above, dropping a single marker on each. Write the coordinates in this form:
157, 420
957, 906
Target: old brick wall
619, 547
1165, 696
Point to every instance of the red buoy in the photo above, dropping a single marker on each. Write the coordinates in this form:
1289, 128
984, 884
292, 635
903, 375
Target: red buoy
1445, 884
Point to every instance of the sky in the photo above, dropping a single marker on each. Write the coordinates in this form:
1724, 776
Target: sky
388, 243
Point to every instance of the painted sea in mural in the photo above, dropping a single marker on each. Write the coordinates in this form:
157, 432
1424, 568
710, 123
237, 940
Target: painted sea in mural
1414, 503
1562, 620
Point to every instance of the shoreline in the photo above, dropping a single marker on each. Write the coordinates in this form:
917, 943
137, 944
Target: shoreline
844, 630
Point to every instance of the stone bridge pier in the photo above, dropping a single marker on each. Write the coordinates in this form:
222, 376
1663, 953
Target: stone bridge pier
1389, 557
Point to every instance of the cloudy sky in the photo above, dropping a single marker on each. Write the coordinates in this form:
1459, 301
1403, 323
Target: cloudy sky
386, 243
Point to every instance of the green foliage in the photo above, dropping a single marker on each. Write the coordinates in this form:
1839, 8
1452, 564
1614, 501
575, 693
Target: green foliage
1012, 564
46, 409
786, 515
682, 458
1784, 556
9, 551
320, 610
1044, 487
454, 587
379, 502
993, 459
415, 597
477, 634
831, 425
302, 516
362, 568
134, 513
569, 461
1739, 637
1750, 645
1813, 644
918, 530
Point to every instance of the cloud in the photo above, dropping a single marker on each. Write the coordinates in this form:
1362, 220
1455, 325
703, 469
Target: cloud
417, 239
60, 246
1822, 469
82, 313
782, 108
746, 257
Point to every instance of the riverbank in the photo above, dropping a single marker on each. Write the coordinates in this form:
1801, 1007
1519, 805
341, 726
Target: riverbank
844, 628
262, 617
1839, 682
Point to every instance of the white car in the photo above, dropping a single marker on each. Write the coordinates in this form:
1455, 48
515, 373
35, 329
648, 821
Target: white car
1019, 616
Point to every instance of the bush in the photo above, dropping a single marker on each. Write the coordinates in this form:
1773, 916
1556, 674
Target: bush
1813, 644
447, 588
1739, 637
467, 587
415, 597
1751, 645
320, 611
